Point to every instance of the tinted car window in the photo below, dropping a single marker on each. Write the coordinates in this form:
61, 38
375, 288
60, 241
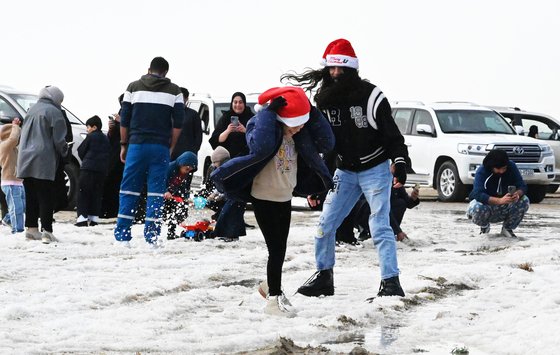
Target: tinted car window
472, 121
422, 117
7, 112
403, 117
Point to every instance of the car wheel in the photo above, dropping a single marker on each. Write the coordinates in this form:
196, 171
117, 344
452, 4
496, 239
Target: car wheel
72, 174
536, 193
449, 186
552, 188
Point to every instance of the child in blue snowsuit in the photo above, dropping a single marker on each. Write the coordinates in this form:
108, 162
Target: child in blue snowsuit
179, 177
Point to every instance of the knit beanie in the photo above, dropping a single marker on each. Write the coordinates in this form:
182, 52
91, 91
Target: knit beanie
188, 158
496, 158
52, 93
94, 121
219, 155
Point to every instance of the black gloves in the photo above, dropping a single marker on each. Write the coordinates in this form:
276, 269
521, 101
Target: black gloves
277, 103
400, 172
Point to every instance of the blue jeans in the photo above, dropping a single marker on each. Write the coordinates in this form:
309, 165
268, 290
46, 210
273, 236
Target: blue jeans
15, 198
510, 214
375, 184
144, 162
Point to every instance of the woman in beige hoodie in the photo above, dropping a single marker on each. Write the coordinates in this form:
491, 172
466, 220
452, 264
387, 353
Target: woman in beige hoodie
11, 185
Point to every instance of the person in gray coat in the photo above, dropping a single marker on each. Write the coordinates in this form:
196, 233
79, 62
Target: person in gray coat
42, 142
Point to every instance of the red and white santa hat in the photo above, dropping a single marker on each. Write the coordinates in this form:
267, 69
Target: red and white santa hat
339, 53
296, 111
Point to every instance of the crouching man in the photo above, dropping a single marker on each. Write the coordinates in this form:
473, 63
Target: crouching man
498, 194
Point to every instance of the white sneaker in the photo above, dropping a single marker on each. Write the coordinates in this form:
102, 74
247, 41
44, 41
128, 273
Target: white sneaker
123, 243
508, 233
33, 234
48, 237
279, 306
263, 289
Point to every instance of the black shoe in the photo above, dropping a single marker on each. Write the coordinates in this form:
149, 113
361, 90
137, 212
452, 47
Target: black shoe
364, 236
320, 283
171, 236
390, 287
81, 224
249, 226
230, 239
93, 224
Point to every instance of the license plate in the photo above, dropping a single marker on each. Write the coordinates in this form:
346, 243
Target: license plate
527, 172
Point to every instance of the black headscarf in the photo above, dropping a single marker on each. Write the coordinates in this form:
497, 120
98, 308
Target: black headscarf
243, 98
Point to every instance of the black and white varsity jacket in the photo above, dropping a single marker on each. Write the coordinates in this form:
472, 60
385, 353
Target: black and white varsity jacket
366, 134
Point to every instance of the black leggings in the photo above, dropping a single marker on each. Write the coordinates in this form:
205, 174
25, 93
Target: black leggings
39, 203
274, 221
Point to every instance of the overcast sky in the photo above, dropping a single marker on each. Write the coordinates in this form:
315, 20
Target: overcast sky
489, 52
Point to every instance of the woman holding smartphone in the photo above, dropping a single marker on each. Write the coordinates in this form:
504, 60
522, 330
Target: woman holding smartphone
230, 134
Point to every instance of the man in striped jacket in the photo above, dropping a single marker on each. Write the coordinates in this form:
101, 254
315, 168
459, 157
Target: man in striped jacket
151, 118
367, 140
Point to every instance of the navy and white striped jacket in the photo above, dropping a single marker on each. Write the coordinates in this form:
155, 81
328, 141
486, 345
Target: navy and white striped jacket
151, 107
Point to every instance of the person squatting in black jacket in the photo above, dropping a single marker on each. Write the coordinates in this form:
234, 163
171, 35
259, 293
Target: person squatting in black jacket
94, 152
285, 141
367, 138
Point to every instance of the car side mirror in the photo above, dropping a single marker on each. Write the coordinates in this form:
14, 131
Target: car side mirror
425, 129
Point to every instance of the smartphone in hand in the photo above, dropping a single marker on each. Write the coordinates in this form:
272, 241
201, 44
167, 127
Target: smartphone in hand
512, 189
235, 120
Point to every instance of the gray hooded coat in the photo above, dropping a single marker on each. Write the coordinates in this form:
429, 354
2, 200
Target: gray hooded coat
42, 141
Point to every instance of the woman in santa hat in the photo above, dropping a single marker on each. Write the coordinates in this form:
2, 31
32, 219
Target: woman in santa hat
285, 140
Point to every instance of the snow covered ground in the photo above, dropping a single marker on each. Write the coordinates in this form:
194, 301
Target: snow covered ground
86, 295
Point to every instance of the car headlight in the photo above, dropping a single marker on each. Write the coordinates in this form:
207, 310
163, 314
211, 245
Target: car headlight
472, 148
545, 149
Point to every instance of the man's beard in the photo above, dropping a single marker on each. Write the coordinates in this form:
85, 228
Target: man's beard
339, 91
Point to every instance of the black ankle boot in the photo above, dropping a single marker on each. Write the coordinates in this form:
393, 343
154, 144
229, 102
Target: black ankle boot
390, 287
320, 284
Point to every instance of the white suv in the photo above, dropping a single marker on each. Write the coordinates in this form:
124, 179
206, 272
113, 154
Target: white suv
447, 142
210, 110
548, 132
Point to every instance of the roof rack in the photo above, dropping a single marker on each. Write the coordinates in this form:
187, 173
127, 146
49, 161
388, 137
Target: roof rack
505, 108
457, 102
410, 102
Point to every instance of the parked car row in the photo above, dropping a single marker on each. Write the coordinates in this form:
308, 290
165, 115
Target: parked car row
447, 142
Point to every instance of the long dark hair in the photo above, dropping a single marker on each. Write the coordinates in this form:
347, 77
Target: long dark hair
348, 86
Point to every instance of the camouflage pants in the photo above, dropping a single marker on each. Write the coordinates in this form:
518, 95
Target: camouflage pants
511, 214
